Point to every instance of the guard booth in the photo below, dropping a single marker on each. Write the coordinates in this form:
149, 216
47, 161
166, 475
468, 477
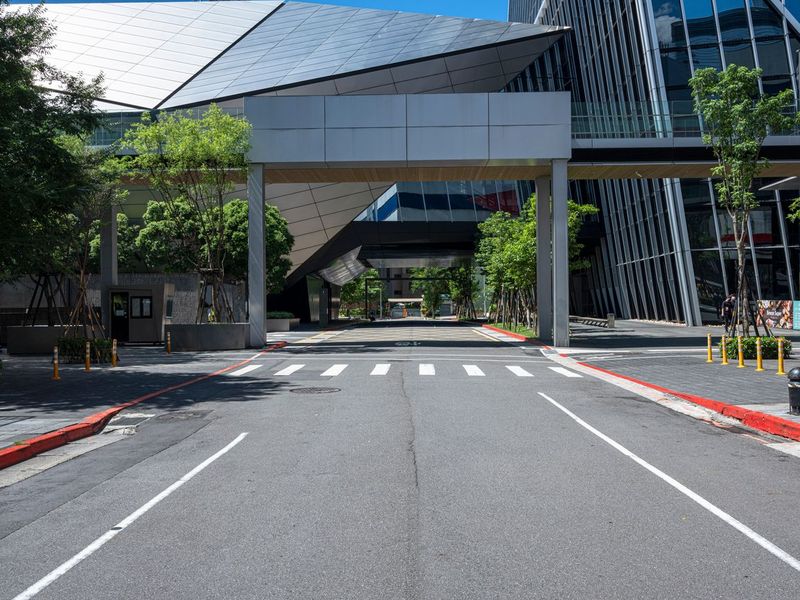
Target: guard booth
140, 313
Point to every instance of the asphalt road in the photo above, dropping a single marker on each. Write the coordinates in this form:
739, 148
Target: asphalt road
467, 468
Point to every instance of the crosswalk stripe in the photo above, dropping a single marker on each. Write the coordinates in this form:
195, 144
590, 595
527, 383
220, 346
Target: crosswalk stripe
518, 371
334, 371
381, 369
289, 370
245, 370
564, 372
473, 371
425, 369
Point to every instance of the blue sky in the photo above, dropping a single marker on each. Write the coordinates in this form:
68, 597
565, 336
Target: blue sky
480, 9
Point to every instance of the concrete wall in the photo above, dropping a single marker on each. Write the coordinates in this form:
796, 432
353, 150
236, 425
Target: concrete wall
189, 338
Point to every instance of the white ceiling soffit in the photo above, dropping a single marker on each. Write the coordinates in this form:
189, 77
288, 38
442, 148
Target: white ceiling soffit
147, 50
302, 42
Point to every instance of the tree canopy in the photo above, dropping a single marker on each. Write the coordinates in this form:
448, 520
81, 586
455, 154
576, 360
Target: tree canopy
40, 177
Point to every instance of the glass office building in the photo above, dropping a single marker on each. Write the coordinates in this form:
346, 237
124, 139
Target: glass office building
667, 249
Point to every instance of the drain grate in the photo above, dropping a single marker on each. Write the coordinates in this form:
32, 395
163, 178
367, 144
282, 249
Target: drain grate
315, 390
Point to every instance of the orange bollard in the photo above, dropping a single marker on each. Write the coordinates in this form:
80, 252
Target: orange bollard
780, 357
113, 353
87, 364
759, 357
741, 352
169, 342
724, 350
55, 364
710, 351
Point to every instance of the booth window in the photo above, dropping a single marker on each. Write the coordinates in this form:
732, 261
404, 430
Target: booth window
141, 307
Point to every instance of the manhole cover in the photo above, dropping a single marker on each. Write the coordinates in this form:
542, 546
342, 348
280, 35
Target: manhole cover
315, 390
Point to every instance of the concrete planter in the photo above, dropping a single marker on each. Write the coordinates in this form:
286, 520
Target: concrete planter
38, 339
280, 324
222, 336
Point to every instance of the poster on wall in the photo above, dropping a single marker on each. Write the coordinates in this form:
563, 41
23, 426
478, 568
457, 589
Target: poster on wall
796, 315
776, 314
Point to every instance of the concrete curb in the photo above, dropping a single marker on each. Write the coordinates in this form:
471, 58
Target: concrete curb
516, 336
752, 418
94, 424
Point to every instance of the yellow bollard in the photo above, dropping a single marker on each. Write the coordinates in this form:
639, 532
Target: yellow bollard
780, 357
169, 342
724, 350
55, 364
87, 364
113, 353
710, 351
759, 357
741, 352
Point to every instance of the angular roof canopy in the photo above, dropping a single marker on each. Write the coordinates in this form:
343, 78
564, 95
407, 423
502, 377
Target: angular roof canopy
173, 54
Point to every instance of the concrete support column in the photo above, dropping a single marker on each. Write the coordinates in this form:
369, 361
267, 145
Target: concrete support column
560, 255
108, 262
544, 268
256, 256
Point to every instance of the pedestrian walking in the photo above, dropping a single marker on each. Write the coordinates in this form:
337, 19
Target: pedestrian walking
726, 312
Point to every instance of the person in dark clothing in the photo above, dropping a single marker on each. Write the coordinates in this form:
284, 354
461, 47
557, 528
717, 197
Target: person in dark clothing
726, 312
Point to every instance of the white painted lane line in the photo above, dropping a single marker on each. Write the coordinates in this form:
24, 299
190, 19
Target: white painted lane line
565, 372
712, 508
473, 371
289, 370
119, 527
244, 370
425, 369
334, 371
518, 371
381, 369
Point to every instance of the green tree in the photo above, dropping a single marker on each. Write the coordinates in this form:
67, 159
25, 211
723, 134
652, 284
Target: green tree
432, 283
40, 178
351, 297
128, 257
736, 119
192, 164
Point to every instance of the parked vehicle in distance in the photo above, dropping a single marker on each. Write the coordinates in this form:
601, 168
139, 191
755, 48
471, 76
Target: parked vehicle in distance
398, 311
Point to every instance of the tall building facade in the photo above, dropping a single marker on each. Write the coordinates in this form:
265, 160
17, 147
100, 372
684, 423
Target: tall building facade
667, 251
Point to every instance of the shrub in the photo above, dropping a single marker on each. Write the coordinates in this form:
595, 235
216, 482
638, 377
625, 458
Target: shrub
279, 314
73, 349
769, 347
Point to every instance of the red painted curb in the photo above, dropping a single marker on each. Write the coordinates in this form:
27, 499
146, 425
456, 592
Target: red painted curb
516, 336
751, 418
97, 422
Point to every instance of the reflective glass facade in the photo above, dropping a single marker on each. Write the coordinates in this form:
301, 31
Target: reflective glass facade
666, 250
451, 202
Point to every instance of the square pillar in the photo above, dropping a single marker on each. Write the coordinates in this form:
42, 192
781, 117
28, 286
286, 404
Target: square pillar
256, 257
544, 269
108, 262
560, 255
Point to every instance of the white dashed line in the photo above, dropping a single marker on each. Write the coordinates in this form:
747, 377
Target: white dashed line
289, 370
381, 369
244, 370
473, 371
425, 369
334, 371
565, 372
518, 371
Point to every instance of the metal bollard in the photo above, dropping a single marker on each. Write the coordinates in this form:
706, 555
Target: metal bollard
169, 342
113, 353
741, 352
710, 351
612, 320
780, 357
759, 356
794, 391
724, 350
55, 364
87, 365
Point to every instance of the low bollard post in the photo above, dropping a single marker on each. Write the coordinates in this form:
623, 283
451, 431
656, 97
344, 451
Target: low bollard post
55, 364
169, 342
741, 352
724, 350
759, 356
710, 358
780, 357
794, 391
113, 353
87, 363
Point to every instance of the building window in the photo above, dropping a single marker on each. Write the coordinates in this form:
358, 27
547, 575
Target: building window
141, 307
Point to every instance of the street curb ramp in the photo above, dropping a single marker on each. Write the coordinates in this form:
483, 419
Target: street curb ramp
94, 424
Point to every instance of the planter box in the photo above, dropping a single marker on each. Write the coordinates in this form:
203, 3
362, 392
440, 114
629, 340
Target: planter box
279, 324
37, 339
222, 336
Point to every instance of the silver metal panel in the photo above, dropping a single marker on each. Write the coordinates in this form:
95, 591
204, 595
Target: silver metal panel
514, 109
448, 110
307, 112
365, 145
289, 146
448, 145
365, 111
